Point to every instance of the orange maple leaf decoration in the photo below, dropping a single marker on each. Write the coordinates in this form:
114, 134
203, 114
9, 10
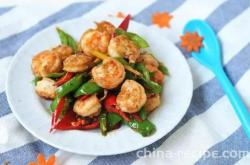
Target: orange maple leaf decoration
162, 19
191, 41
120, 15
42, 161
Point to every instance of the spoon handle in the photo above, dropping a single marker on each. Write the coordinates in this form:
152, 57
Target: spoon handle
236, 101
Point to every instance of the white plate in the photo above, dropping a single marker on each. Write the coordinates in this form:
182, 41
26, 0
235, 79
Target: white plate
30, 110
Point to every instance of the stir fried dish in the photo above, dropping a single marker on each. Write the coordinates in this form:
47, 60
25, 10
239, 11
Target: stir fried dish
107, 79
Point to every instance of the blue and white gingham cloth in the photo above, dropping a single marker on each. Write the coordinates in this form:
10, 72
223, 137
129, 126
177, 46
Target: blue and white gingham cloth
209, 134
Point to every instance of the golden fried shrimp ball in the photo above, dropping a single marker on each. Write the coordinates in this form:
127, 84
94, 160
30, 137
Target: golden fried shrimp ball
46, 88
64, 51
46, 62
77, 63
106, 26
95, 40
131, 97
158, 75
148, 59
121, 46
109, 74
91, 106
153, 101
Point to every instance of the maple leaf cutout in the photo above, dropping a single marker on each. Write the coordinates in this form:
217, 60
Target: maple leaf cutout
42, 161
162, 19
191, 41
120, 15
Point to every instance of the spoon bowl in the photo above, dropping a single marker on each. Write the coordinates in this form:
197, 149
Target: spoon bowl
210, 54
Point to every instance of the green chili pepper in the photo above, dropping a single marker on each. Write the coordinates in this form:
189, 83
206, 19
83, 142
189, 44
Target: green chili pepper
141, 68
145, 128
87, 88
163, 69
119, 31
103, 123
138, 40
143, 114
151, 74
67, 39
70, 86
56, 75
130, 76
152, 86
113, 119
55, 102
35, 80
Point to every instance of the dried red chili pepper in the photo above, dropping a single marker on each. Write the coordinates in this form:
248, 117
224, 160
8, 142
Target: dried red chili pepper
58, 111
84, 97
69, 117
124, 24
136, 117
110, 106
64, 79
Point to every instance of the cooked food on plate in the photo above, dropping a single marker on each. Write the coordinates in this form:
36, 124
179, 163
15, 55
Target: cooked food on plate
107, 79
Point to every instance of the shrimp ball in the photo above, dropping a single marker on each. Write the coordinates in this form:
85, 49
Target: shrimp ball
46, 88
121, 46
153, 101
106, 26
109, 74
148, 59
131, 97
158, 75
64, 51
46, 62
95, 40
152, 65
77, 63
88, 107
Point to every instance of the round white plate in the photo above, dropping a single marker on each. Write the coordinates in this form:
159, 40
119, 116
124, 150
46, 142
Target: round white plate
31, 111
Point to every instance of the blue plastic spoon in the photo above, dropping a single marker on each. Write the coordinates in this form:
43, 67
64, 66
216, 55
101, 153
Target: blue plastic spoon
210, 56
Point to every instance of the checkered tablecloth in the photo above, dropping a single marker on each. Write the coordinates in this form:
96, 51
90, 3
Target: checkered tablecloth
209, 134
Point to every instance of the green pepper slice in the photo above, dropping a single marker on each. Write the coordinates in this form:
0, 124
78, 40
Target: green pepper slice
138, 40
103, 123
70, 85
153, 86
145, 128
113, 119
143, 114
141, 68
87, 88
163, 69
56, 101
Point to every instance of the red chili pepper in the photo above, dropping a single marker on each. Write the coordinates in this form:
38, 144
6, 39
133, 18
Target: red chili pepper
92, 125
110, 101
84, 97
69, 118
136, 117
125, 23
58, 111
110, 105
64, 79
